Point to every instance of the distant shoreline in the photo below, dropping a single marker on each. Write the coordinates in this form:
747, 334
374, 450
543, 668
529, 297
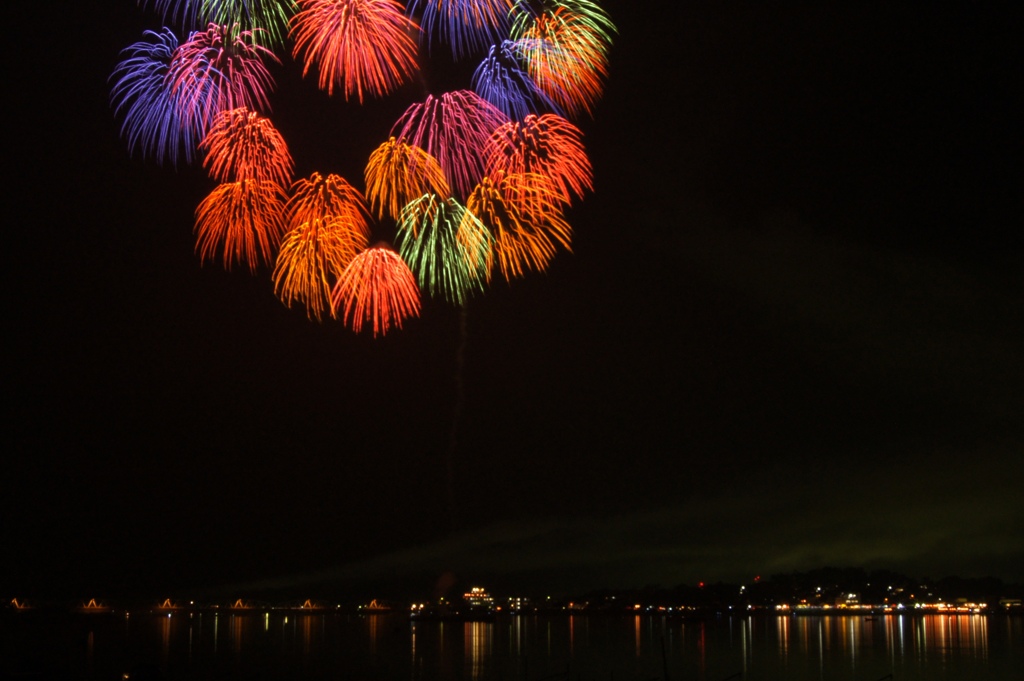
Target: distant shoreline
676, 614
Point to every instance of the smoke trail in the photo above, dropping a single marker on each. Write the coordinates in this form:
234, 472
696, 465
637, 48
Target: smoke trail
460, 399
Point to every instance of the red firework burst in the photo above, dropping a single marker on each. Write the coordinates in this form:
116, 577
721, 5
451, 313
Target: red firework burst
376, 286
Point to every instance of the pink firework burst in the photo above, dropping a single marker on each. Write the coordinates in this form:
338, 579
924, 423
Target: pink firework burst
454, 129
217, 70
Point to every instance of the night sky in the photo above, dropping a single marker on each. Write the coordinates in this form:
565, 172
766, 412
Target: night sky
790, 333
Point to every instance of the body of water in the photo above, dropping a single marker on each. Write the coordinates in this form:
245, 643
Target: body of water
285, 645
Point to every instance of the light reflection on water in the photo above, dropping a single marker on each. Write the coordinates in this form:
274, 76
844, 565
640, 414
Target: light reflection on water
289, 645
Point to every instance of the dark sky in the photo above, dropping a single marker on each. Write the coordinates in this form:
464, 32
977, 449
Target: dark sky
790, 333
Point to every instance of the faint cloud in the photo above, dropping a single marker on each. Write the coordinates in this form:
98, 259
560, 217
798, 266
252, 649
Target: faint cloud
915, 526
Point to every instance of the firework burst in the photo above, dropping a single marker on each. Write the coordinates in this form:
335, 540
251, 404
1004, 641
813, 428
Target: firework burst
313, 255
378, 287
328, 225
446, 247
217, 70
271, 17
330, 196
467, 26
454, 129
474, 181
152, 123
397, 173
565, 45
361, 46
501, 80
241, 220
523, 213
547, 145
243, 145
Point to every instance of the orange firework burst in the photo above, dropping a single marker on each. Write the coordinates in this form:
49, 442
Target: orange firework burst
362, 46
399, 172
523, 213
243, 145
547, 145
319, 197
311, 255
328, 224
377, 285
243, 219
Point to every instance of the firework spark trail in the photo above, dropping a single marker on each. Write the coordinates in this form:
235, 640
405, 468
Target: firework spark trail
243, 145
501, 81
328, 225
243, 220
428, 240
457, 408
361, 46
467, 26
548, 145
397, 173
376, 286
454, 129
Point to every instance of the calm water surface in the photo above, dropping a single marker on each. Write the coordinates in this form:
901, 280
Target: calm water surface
288, 645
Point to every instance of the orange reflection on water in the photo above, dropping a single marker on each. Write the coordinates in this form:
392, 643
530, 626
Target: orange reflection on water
478, 645
237, 631
973, 634
572, 632
948, 633
375, 624
901, 635
307, 633
782, 625
165, 638
412, 635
